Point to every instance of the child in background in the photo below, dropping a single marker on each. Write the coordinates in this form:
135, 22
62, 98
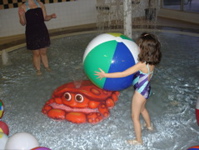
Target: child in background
149, 56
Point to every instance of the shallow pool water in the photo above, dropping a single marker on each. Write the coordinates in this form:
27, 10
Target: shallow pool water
175, 90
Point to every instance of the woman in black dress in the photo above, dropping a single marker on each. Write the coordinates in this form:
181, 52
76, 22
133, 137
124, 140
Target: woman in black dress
33, 14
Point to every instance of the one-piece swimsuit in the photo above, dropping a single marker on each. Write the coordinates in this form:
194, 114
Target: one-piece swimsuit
141, 82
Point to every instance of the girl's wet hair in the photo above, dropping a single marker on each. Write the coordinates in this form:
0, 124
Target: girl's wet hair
150, 49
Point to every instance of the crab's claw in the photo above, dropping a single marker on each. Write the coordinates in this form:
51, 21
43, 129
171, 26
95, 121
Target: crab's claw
52, 112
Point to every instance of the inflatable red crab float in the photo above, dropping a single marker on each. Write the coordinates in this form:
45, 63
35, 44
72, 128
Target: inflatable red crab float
83, 104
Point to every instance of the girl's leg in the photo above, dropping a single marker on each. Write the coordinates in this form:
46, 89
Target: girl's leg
37, 61
44, 57
146, 116
137, 104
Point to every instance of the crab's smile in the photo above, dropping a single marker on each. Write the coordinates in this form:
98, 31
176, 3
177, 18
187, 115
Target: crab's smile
69, 109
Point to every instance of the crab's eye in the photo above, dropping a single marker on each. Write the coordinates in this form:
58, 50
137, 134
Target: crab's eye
79, 98
67, 96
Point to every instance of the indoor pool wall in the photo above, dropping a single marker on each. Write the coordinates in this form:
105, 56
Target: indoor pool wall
175, 89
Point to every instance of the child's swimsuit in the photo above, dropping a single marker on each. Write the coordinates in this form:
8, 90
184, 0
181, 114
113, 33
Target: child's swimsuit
141, 82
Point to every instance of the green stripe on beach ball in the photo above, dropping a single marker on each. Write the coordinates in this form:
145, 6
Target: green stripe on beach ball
99, 57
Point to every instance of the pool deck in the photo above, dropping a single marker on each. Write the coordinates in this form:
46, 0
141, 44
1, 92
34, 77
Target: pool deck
12, 42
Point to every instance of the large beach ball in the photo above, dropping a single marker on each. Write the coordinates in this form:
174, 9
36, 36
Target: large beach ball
21, 141
3, 140
112, 52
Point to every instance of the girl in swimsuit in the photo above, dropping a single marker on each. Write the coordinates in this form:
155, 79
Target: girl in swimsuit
149, 56
33, 14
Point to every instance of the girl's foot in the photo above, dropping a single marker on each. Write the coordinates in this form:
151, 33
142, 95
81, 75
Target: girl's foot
134, 142
150, 128
39, 72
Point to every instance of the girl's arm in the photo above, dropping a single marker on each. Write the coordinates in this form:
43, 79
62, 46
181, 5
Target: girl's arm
125, 73
46, 17
21, 13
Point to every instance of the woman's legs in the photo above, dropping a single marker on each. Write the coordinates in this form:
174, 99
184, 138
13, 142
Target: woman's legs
36, 59
38, 56
44, 57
